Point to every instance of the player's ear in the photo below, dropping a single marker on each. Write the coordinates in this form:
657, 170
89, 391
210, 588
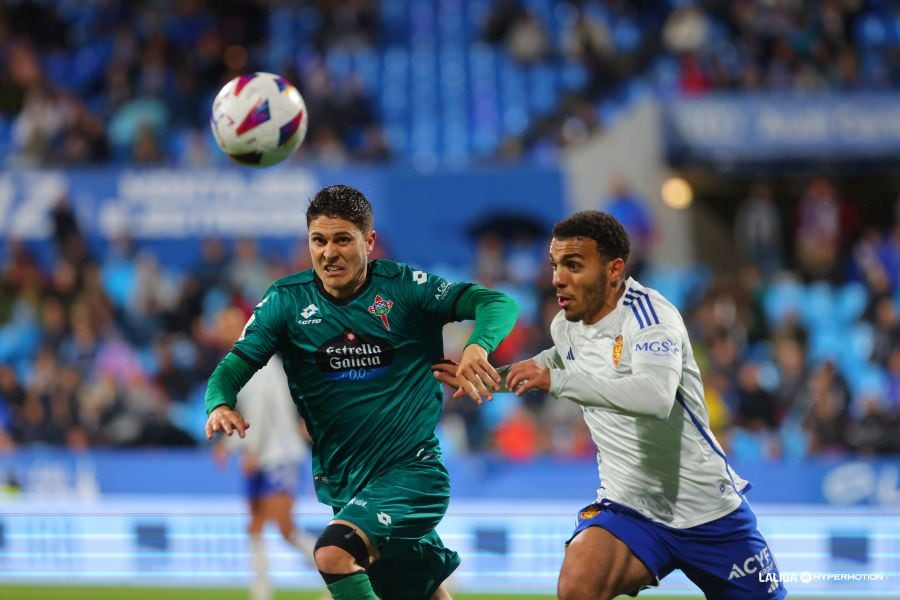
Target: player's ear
370, 241
616, 271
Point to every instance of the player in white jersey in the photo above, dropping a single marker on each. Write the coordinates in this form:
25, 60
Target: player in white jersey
271, 454
667, 498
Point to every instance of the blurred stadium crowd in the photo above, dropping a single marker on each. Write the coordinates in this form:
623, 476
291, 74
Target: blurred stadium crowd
425, 80
800, 349
114, 349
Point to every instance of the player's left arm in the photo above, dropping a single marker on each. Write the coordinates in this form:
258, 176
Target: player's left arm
495, 315
649, 391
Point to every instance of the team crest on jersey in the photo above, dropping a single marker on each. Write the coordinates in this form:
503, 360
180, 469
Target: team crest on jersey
618, 343
589, 512
380, 307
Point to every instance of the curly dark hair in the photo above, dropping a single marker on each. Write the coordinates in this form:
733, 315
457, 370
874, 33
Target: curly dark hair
611, 237
342, 202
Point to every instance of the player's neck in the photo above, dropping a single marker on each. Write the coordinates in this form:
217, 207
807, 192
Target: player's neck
612, 300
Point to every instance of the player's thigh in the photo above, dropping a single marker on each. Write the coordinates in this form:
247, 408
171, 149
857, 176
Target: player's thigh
730, 559
598, 564
413, 569
405, 503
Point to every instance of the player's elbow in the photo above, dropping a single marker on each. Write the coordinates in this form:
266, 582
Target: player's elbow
663, 411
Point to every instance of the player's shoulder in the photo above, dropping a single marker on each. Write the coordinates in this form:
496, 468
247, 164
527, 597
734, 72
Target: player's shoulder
559, 323
388, 269
306, 277
645, 307
399, 272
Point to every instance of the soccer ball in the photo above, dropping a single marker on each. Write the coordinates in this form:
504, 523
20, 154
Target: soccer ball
258, 119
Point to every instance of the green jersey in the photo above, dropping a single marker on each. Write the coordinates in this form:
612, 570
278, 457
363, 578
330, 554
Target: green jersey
358, 368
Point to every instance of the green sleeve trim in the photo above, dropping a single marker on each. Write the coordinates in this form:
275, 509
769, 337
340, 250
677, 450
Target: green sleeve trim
230, 375
494, 312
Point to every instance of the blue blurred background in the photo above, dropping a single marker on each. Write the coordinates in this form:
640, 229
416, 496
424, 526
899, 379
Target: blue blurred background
751, 148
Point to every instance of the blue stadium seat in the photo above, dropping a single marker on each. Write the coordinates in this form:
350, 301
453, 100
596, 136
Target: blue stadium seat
781, 299
828, 341
818, 306
851, 301
867, 378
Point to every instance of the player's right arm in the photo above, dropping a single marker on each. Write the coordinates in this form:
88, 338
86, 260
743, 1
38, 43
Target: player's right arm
231, 374
258, 342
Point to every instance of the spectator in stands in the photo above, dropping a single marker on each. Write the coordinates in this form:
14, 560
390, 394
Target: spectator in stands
527, 40
756, 407
893, 384
825, 424
885, 331
823, 223
247, 272
874, 431
588, 40
686, 29
757, 231
636, 217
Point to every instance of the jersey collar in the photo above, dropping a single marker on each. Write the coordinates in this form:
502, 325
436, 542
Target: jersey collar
370, 268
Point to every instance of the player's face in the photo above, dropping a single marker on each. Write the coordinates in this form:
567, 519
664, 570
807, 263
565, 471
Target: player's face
340, 253
582, 278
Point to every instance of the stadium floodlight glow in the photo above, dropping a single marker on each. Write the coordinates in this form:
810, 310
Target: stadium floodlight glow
677, 193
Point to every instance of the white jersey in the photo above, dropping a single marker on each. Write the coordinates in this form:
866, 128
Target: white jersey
274, 434
635, 376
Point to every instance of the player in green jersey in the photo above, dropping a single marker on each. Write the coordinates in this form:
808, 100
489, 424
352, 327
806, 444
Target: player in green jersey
359, 341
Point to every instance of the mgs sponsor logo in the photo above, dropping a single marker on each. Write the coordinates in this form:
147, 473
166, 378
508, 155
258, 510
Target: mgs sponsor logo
658, 347
355, 357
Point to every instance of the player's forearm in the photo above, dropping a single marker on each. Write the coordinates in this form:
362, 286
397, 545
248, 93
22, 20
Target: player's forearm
230, 375
650, 393
494, 312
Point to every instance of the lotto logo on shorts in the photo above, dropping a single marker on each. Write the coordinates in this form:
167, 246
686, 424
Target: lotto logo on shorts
384, 518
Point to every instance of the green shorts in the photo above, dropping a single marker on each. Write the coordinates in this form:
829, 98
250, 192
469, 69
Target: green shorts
398, 511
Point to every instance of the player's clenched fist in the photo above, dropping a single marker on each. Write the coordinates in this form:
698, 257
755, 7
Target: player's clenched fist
225, 419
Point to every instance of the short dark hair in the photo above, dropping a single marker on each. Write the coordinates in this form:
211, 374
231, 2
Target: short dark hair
611, 237
341, 202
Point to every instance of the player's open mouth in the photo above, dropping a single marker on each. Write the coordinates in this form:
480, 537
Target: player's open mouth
563, 301
333, 270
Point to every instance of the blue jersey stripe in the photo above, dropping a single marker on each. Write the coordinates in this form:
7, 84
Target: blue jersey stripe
636, 299
640, 302
637, 316
706, 436
649, 305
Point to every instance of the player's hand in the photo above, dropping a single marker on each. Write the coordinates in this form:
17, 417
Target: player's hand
528, 375
225, 419
445, 372
477, 377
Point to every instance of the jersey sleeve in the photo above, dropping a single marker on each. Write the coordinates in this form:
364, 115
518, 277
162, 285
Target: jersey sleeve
434, 296
656, 346
550, 358
262, 334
